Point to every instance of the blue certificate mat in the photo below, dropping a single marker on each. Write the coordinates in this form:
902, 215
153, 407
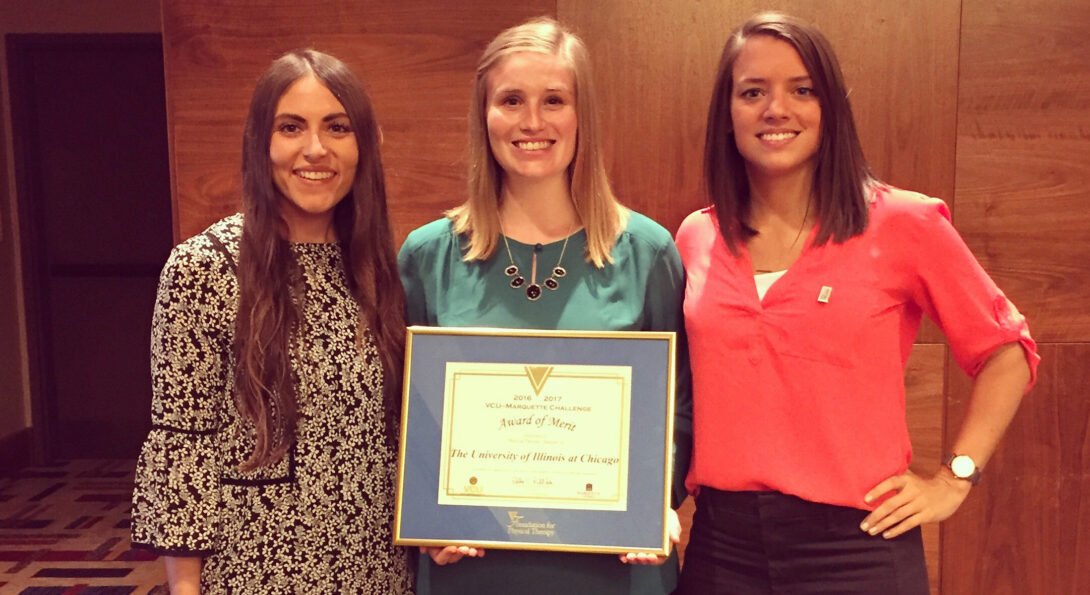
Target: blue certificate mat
540, 440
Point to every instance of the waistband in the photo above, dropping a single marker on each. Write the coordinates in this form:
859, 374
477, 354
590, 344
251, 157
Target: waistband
770, 503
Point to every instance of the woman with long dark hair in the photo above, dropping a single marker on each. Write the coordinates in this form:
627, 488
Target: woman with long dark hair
806, 281
542, 242
277, 342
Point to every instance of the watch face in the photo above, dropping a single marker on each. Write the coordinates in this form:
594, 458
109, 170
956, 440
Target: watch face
962, 466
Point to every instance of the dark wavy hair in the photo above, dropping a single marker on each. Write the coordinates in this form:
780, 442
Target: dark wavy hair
842, 173
270, 321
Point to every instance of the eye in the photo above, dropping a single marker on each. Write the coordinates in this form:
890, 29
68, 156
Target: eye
510, 100
340, 128
750, 93
554, 100
805, 91
288, 128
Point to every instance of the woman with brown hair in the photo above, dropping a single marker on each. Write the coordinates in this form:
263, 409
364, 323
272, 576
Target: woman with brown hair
543, 243
806, 280
277, 342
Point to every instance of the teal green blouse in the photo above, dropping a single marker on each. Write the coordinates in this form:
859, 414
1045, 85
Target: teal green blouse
641, 290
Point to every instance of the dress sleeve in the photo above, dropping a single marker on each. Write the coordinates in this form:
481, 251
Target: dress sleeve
665, 289
955, 291
176, 503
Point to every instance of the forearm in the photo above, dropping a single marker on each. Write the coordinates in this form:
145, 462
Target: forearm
996, 394
183, 575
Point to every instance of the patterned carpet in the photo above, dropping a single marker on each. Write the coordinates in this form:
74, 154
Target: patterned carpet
64, 530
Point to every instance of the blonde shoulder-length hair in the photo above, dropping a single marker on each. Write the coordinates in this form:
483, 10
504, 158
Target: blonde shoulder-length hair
602, 215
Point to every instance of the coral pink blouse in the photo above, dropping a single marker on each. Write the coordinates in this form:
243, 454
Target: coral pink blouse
803, 391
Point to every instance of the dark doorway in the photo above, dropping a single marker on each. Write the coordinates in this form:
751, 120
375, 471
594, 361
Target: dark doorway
92, 170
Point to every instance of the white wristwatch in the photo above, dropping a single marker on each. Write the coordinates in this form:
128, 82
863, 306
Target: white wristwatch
963, 467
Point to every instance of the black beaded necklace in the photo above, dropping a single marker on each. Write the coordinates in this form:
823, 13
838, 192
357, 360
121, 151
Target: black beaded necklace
533, 290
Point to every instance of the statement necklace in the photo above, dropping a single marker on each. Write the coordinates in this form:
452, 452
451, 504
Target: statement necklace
533, 290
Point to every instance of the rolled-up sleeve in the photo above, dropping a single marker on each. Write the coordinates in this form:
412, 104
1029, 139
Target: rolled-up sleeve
957, 293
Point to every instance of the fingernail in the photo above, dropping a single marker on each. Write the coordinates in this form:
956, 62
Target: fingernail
873, 531
867, 499
887, 534
864, 526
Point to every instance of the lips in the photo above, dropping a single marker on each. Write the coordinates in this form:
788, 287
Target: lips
315, 176
533, 145
778, 135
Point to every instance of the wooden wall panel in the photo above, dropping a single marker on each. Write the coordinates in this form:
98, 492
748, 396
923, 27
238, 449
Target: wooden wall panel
1026, 528
925, 383
1023, 178
416, 56
1023, 173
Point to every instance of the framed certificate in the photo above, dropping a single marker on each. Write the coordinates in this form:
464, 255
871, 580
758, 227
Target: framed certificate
541, 440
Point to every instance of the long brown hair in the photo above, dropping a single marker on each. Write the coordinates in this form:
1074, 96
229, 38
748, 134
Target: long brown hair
601, 214
841, 175
270, 284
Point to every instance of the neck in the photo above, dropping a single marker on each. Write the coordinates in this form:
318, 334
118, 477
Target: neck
309, 230
782, 197
538, 211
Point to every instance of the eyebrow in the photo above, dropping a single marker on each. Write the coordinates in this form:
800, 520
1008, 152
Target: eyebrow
794, 79
298, 118
519, 90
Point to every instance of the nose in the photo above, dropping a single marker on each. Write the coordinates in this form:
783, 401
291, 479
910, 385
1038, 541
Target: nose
776, 108
314, 148
531, 118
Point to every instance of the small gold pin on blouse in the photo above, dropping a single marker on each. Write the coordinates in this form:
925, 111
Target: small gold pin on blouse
823, 295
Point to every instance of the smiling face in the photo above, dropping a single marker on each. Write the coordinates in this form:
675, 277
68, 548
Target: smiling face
531, 117
314, 154
775, 114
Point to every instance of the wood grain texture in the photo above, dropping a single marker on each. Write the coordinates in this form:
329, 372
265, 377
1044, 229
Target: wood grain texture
417, 58
1026, 528
925, 383
1023, 157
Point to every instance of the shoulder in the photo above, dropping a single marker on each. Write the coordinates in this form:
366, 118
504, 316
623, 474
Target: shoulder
895, 206
427, 247
698, 225
429, 237
199, 257
646, 231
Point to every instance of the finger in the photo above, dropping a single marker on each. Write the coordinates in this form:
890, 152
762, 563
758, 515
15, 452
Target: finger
890, 484
906, 525
909, 491
894, 517
642, 558
447, 555
887, 507
675, 527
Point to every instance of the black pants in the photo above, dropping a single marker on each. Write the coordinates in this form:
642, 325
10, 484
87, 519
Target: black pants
768, 542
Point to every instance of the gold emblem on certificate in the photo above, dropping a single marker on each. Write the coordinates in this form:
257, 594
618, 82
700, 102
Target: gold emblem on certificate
535, 436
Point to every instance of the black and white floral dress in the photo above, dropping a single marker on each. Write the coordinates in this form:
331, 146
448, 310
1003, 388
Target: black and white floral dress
319, 521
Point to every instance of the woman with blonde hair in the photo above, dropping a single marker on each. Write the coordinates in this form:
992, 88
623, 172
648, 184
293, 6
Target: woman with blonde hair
543, 243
